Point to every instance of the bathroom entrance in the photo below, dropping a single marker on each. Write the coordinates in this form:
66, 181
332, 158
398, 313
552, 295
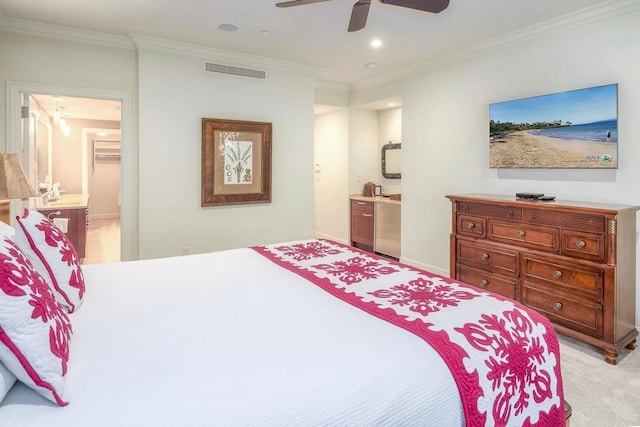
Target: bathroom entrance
73, 152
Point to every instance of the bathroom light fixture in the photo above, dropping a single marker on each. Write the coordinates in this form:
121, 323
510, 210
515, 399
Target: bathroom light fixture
13, 181
376, 43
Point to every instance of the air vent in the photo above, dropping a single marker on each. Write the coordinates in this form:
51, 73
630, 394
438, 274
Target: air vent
237, 71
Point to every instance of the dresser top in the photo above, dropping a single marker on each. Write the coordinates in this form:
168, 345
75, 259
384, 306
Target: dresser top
511, 201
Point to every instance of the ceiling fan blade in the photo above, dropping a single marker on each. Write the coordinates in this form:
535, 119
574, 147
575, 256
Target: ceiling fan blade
298, 3
433, 6
359, 15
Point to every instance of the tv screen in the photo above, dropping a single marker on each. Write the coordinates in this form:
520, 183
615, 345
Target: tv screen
574, 129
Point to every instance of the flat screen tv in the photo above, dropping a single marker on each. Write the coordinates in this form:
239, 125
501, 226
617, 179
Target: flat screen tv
573, 129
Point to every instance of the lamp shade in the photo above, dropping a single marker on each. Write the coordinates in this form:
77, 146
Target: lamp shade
13, 181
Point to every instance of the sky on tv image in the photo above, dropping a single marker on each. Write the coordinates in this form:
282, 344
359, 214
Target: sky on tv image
578, 107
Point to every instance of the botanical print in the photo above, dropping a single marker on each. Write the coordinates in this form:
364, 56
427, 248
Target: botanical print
238, 162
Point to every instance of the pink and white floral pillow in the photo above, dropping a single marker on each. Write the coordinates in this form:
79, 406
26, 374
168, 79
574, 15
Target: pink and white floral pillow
53, 256
34, 329
7, 379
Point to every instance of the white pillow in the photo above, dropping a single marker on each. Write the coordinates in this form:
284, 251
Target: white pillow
7, 379
7, 230
34, 329
53, 256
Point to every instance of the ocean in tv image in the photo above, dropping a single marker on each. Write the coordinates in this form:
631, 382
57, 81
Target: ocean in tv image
574, 129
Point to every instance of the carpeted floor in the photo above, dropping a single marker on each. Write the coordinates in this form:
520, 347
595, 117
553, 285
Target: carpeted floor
600, 394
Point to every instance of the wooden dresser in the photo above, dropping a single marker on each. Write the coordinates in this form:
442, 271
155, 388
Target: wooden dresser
574, 262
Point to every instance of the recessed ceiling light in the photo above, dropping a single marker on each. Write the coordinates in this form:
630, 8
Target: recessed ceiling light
227, 27
376, 43
264, 32
371, 65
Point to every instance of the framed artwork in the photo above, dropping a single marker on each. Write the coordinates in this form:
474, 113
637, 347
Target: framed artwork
236, 162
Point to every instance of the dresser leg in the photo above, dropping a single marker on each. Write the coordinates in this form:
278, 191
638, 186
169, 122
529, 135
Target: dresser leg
631, 345
611, 356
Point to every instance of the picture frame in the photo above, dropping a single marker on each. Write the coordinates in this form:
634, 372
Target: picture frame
236, 162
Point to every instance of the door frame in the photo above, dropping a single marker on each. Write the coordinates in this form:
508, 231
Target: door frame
129, 237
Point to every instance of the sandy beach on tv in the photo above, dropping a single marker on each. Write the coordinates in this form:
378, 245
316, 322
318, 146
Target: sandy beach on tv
524, 150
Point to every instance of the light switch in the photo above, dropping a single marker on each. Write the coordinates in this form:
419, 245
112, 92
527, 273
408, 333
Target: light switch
317, 168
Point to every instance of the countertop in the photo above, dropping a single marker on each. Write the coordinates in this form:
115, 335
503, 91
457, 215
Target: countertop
375, 199
67, 201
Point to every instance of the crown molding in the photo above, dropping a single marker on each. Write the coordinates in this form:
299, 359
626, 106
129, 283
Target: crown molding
64, 33
227, 57
332, 86
563, 23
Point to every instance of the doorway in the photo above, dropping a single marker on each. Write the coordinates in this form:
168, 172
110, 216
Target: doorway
89, 132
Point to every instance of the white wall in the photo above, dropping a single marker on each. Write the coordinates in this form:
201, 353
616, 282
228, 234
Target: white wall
389, 130
331, 186
175, 93
445, 127
364, 154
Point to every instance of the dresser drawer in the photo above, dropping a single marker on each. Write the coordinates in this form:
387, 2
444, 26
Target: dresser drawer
472, 226
362, 207
576, 221
583, 245
488, 210
564, 309
505, 286
530, 236
575, 278
488, 257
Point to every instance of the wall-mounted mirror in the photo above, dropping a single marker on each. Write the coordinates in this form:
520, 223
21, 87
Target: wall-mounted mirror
391, 160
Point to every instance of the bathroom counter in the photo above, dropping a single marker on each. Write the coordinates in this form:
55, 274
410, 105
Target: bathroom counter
67, 201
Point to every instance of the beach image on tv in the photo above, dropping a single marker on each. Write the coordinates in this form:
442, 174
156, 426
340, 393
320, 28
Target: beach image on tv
574, 129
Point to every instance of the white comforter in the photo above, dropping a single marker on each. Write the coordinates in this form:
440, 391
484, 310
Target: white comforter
230, 338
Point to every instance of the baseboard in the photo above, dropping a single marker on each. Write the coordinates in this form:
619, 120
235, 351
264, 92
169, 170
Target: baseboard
329, 237
423, 266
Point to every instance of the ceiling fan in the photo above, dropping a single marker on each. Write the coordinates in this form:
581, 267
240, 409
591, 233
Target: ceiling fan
361, 8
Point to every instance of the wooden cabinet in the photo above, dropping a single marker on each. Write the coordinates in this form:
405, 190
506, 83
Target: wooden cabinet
362, 225
76, 228
573, 262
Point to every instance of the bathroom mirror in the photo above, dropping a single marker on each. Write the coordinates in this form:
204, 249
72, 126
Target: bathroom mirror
391, 160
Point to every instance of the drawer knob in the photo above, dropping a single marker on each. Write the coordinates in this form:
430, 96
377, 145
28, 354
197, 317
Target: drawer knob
510, 213
471, 226
465, 208
520, 234
557, 306
557, 274
484, 257
580, 244
533, 216
484, 282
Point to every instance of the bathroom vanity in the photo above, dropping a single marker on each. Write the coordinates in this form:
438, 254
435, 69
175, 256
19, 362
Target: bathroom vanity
375, 225
74, 207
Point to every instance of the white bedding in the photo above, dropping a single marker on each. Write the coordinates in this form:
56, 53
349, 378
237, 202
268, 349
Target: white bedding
230, 338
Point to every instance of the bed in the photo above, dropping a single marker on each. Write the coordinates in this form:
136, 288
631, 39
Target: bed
298, 333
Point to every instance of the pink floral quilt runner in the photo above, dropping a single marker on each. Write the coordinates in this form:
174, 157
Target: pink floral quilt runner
503, 357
